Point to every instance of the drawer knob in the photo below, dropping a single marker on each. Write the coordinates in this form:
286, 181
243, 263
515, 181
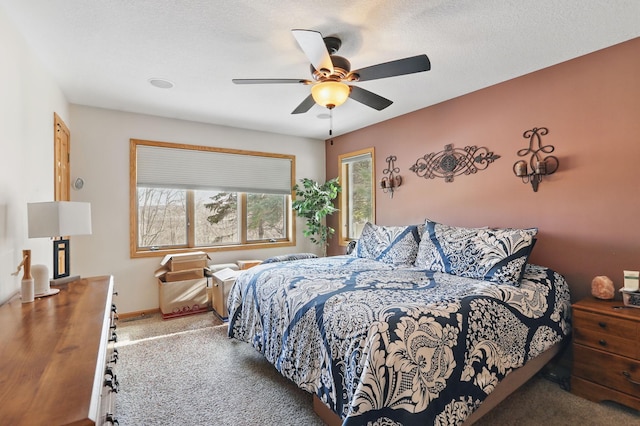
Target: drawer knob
602, 324
110, 418
113, 384
602, 342
627, 376
114, 357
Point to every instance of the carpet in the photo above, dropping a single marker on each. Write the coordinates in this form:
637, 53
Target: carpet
201, 377
185, 371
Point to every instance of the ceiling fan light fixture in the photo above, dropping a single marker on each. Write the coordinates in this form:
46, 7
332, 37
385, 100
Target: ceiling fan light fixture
330, 94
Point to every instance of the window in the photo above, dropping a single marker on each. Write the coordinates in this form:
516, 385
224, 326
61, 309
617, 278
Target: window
185, 197
357, 199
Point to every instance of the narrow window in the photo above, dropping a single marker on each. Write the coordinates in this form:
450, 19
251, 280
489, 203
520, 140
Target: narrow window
357, 199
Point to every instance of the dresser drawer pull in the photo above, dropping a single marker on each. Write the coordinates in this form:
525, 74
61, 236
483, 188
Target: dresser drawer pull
113, 384
627, 376
115, 357
602, 324
111, 419
602, 342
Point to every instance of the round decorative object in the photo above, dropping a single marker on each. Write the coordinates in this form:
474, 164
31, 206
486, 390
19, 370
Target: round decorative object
602, 288
78, 183
448, 163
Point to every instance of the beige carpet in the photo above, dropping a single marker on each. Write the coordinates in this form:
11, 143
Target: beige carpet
186, 371
200, 377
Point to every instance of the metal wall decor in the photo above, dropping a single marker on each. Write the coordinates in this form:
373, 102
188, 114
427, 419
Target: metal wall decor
453, 162
540, 166
390, 182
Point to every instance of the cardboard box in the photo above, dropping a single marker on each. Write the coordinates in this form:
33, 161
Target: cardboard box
188, 274
184, 261
179, 298
246, 264
223, 280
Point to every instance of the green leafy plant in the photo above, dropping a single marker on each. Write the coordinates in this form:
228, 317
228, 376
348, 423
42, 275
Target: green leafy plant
314, 202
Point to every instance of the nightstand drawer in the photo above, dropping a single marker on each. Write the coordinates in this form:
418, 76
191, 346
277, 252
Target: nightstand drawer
605, 324
606, 342
613, 371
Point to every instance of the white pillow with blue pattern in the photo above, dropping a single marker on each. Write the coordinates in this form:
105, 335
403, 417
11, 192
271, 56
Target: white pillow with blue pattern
389, 244
490, 254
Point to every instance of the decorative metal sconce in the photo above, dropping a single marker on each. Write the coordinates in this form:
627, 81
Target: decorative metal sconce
540, 166
390, 182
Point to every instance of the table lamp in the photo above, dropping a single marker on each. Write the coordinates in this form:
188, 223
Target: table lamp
58, 220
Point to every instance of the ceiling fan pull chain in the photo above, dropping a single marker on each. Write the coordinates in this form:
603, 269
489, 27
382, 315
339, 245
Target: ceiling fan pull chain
330, 121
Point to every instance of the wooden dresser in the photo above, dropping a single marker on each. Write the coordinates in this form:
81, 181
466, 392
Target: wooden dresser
57, 357
606, 352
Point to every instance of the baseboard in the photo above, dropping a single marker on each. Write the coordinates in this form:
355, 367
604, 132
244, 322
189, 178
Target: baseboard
135, 314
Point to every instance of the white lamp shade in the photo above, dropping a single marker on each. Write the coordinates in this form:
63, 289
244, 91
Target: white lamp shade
58, 219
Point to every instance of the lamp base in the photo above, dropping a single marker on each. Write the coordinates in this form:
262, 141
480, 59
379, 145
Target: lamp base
64, 280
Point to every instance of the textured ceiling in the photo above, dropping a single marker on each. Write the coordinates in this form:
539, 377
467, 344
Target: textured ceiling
103, 52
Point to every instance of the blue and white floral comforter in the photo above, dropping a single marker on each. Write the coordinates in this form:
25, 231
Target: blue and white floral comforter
386, 345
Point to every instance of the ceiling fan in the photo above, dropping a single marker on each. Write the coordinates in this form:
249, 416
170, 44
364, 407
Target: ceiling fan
331, 73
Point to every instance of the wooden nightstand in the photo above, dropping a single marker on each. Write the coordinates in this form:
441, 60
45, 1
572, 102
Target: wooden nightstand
606, 352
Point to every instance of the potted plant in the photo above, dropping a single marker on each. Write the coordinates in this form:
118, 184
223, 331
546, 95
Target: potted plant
314, 202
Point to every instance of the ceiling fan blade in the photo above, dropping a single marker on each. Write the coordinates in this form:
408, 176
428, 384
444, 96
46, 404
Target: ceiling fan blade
313, 46
270, 80
404, 66
305, 105
369, 98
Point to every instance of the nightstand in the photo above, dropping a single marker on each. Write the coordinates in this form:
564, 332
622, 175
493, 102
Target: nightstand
606, 352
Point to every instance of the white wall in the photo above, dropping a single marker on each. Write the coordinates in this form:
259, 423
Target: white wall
28, 99
100, 155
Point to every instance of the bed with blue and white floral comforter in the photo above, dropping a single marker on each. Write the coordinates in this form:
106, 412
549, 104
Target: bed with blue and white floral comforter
384, 344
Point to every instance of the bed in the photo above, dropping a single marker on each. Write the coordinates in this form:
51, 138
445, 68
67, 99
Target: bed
419, 325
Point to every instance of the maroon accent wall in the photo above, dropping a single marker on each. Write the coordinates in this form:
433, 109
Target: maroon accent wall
588, 212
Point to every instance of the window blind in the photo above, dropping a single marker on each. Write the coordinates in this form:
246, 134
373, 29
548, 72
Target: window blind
163, 167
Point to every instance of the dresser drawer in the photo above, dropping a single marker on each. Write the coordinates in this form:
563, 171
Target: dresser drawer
606, 324
606, 342
613, 371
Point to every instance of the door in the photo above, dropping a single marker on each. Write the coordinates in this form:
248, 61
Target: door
61, 158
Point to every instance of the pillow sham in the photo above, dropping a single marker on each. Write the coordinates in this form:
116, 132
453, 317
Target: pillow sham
389, 244
492, 254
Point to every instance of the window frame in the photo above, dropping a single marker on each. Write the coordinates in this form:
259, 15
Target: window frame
345, 195
137, 252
